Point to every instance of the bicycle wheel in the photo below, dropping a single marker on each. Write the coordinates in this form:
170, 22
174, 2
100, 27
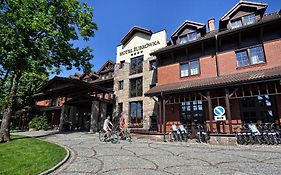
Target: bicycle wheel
128, 136
101, 136
114, 138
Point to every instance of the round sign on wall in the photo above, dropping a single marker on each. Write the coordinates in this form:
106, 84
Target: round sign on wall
219, 110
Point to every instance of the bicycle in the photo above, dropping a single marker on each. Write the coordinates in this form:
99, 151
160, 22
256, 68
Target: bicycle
113, 136
125, 135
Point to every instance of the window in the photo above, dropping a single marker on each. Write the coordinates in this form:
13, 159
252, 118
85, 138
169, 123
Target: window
136, 65
120, 108
249, 19
259, 108
245, 20
152, 65
183, 39
192, 111
190, 68
104, 76
121, 65
189, 37
120, 85
194, 67
184, 70
250, 56
136, 113
192, 36
236, 24
136, 87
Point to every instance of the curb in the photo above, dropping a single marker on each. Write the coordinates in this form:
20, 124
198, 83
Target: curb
57, 166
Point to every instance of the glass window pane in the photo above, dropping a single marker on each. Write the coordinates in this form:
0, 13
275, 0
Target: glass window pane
200, 107
136, 65
257, 55
194, 67
242, 58
183, 39
184, 70
236, 24
192, 36
249, 19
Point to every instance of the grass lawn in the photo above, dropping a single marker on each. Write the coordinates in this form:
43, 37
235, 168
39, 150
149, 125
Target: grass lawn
24, 155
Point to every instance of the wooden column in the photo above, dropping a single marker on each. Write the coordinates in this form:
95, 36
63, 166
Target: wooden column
94, 116
62, 118
103, 112
228, 112
160, 114
73, 110
210, 110
164, 118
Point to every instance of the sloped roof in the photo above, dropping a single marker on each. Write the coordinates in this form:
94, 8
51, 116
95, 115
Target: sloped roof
257, 5
266, 19
215, 82
134, 30
63, 86
104, 65
188, 23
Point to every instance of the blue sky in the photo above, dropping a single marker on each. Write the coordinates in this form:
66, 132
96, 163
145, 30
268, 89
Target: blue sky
116, 17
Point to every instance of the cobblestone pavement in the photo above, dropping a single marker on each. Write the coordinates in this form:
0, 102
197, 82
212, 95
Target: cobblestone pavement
149, 157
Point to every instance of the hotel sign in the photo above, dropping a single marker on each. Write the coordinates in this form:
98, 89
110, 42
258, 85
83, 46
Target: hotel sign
139, 48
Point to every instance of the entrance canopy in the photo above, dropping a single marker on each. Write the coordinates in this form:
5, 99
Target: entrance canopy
70, 88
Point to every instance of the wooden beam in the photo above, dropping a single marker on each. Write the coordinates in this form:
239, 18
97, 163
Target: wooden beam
228, 112
239, 39
210, 110
261, 35
186, 51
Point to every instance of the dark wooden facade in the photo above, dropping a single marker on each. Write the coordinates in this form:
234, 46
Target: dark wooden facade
80, 102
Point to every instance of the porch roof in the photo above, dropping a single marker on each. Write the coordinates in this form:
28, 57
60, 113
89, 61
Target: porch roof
248, 77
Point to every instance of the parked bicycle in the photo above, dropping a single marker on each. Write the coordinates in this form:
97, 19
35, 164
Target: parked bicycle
111, 137
202, 135
180, 133
251, 133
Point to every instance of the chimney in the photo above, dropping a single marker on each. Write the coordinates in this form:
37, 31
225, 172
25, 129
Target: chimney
211, 24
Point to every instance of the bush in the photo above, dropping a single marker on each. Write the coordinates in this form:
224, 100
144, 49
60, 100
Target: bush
38, 123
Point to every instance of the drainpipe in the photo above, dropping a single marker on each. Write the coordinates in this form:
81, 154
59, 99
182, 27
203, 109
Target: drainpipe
216, 55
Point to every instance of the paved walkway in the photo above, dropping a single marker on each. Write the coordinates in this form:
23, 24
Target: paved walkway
147, 157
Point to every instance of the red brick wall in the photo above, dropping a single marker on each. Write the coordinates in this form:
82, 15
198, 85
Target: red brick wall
171, 73
226, 65
227, 60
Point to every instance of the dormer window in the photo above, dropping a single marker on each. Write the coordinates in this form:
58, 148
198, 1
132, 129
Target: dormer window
249, 19
245, 20
236, 24
188, 37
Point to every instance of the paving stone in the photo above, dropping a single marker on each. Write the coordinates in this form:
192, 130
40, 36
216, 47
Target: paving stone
143, 156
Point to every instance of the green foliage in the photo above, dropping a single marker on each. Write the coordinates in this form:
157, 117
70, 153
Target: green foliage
38, 123
28, 156
39, 34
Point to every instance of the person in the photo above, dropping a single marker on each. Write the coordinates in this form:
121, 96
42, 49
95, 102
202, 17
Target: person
106, 127
122, 126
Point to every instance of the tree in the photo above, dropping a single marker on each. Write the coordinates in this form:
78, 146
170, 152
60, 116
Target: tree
38, 34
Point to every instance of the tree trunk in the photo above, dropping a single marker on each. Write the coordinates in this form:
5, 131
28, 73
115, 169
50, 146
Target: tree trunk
5, 125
